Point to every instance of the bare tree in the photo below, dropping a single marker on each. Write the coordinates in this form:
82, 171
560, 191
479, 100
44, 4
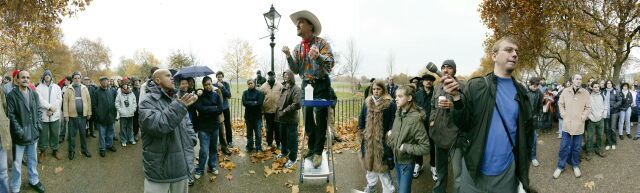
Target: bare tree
239, 60
390, 63
351, 61
91, 56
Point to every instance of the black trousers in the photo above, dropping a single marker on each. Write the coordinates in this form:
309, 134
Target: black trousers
273, 130
227, 125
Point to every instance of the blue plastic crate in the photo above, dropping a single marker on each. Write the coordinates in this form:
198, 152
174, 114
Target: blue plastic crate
317, 103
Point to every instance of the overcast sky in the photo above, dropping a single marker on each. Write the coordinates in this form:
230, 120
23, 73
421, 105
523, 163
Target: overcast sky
416, 31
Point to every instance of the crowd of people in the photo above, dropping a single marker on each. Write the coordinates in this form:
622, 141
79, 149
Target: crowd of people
486, 128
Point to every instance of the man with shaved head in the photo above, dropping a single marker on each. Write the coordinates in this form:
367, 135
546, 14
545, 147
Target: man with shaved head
167, 135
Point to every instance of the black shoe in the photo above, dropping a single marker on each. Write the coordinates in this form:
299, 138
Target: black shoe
587, 156
72, 155
599, 153
115, 139
38, 187
621, 138
93, 135
226, 151
112, 149
308, 154
636, 138
102, 153
86, 154
629, 136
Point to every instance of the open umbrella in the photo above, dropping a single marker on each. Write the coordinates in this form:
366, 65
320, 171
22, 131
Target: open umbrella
193, 71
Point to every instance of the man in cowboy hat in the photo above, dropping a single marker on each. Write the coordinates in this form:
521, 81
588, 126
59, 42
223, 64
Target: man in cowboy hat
312, 59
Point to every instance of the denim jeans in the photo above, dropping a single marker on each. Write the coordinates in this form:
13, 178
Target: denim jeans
289, 136
208, 149
570, 147
405, 176
610, 129
254, 133
32, 165
638, 129
4, 173
106, 135
534, 145
624, 121
126, 130
77, 124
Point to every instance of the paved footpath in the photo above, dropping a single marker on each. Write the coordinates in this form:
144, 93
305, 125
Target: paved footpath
122, 172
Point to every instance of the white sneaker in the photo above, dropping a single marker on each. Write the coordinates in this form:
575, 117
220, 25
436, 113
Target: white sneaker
290, 164
434, 174
133, 142
559, 136
613, 147
577, 172
198, 176
535, 162
607, 148
124, 145
556, 173
416, 171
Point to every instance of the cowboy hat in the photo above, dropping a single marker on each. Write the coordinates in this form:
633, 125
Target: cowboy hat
308, 16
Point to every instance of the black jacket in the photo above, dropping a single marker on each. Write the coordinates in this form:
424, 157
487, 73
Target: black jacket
423, 100
473, 115
209, 107
626, 100
535, 100
26, 122
252, 100
103, 106
615, 100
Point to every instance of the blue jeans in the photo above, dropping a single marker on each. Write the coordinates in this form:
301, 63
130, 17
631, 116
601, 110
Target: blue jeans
32, 165
289, 137
624, 121
4, 173
126, 129
534, 145
638, 130
570, 147
106, 135
208, 149
405, 176
254, 133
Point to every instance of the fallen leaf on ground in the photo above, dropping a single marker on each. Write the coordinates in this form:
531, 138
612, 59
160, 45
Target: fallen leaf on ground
295, 189
228, 176
58, 170
590, 185
212, 179
599, 176
267, 171
330, 189
252, 172
540, 142
289, 184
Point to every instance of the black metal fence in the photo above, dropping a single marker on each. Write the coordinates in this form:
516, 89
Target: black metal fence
345, 109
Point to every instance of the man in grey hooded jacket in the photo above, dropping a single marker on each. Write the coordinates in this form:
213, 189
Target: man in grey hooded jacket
167, 135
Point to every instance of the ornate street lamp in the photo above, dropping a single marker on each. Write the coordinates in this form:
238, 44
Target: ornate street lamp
272, 18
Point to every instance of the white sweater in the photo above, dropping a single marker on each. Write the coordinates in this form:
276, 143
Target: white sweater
123, 109
50, 96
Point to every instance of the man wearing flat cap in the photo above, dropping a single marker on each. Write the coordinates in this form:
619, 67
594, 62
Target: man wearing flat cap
104, 108
312, 60
77, 109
